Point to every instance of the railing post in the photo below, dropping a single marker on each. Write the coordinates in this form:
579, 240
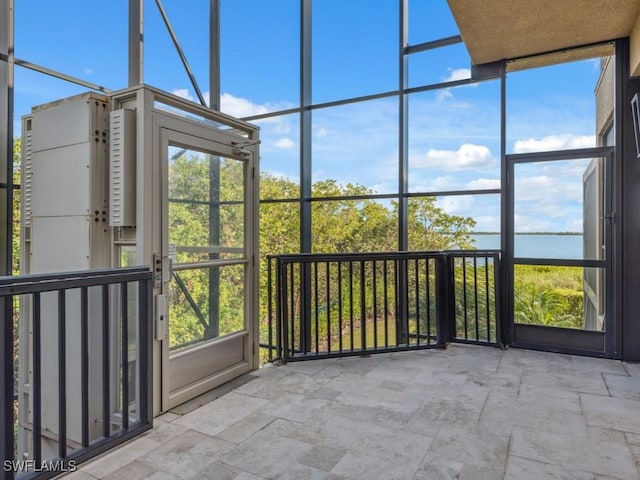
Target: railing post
305, 308
269, 309
6, 381
283, 309
273, 277
445, 317
502, 332
145, 339
402, 297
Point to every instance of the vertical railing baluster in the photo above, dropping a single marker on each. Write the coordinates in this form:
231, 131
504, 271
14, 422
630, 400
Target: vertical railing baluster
7, 384
464, 296
284, 308
62, 374
314, 267
302, 326
124, 299
84, 364
340, 305
375, 307
428, 300
397, 309
416, 267
269, 309
363, 306
488, 309
502, 333
37, 379
279, 300
328, 287
386, 303
106, 362
475, 295
145, 352
279, 297
405, 300
445, 314
351, 302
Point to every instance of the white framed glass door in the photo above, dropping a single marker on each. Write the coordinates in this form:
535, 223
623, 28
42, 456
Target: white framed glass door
207, 237
558, 261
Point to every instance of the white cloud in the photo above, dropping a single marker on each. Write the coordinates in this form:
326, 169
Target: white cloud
240, 107
455, 74
554, 142
433, 184
321, 132
487, 223
467, 157
87, 70
528, 224
444, 94
182, 93
551, 201
449, 182
456, 204
284, 143
484, 184
543, 189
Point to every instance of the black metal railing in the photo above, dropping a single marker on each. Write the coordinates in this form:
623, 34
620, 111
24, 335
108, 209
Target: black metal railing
474, 283
77, 349
328, 305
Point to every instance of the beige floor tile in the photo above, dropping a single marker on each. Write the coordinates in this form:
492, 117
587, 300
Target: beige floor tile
575, 452
186, 454
265, 454
466, 412
525, 469
120, 457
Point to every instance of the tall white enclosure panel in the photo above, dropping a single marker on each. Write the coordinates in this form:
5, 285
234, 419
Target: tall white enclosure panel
64, 228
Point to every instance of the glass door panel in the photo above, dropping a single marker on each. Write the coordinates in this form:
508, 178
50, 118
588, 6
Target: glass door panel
559, 296
557, 258
558, 209
208, 232
206, 206
205, 303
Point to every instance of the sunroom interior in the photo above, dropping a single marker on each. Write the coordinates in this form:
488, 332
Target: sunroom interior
190, 193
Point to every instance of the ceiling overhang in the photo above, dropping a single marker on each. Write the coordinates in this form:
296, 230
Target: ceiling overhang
509, 29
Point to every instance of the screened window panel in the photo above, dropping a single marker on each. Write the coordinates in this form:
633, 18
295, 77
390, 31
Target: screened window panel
357, 144
355, 48
454, 139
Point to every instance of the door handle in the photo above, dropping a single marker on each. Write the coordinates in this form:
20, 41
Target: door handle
162, 313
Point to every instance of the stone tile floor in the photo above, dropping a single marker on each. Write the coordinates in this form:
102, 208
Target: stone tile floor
466, 412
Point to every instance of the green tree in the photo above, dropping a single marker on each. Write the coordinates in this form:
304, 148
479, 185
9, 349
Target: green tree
431, 228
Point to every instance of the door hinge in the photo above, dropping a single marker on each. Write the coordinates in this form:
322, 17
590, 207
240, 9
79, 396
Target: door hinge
157, 270
610, 218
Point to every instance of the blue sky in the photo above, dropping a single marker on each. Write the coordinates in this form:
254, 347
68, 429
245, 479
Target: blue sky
454, 134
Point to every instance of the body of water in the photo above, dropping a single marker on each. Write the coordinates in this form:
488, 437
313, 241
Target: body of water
539, 245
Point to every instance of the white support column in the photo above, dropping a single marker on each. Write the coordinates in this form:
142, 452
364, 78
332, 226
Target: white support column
6, 134
136, 42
